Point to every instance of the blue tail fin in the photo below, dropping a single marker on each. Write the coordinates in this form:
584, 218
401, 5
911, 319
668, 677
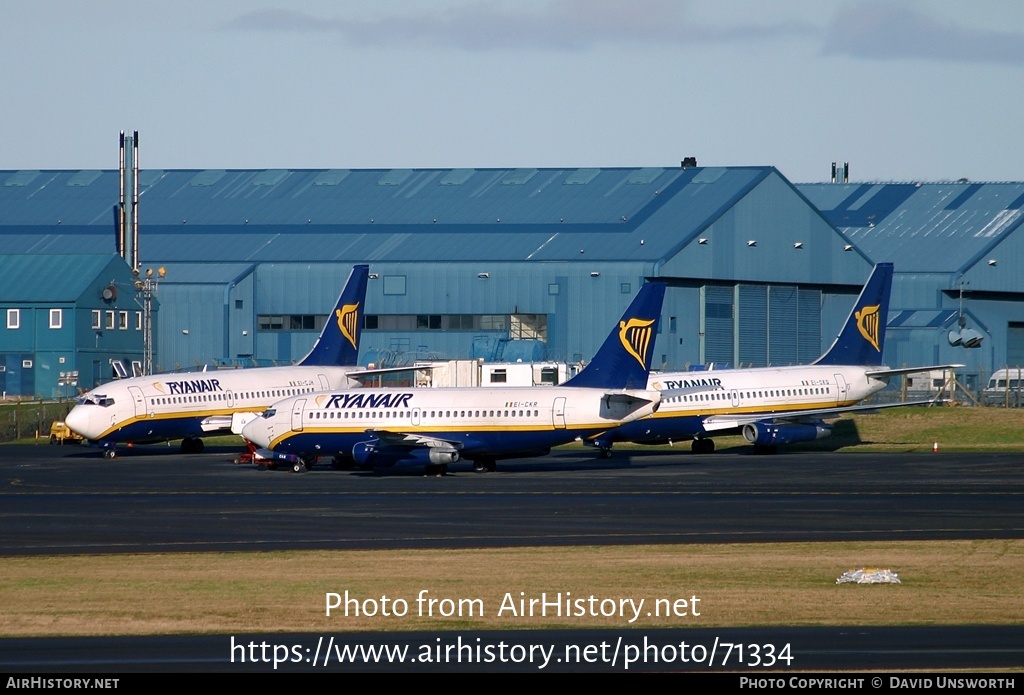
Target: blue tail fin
863, 336
338, 344
625, 358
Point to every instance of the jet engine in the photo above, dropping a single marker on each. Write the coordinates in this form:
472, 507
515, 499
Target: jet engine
373, 455
767, 434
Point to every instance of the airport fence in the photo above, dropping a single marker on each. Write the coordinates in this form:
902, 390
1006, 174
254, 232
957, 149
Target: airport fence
20, 419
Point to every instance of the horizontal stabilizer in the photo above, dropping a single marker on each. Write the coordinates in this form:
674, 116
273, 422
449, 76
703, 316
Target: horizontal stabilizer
882, 373
360, 373
240, 420
216, 423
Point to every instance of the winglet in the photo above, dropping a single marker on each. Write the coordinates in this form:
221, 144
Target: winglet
863, 336
624, 359
338, 344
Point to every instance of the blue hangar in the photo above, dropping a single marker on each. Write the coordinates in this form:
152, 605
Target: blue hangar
505, 264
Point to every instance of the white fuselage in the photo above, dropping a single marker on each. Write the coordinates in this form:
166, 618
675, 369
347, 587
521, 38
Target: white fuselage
478, 422
192, 404
710, 401
766, 389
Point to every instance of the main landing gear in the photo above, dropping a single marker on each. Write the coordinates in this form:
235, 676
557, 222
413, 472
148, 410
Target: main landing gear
192, 445
702, 446
484, 465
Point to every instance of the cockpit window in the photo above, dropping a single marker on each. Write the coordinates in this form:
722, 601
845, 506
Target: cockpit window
269, 413
96, 399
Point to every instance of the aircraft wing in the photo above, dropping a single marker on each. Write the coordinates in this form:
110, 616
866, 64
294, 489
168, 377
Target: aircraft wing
407, 439
726, 422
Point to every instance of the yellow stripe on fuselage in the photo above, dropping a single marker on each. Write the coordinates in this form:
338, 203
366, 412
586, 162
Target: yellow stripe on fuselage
177, 415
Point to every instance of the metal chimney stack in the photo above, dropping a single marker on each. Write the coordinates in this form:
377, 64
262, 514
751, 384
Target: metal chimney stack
128, 219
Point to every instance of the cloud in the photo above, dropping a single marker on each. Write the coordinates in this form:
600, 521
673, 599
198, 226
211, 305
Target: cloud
561, 25
891, 31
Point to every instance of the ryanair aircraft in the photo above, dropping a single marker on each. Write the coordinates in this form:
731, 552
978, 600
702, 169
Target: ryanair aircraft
776, 405
430, 428
192, 405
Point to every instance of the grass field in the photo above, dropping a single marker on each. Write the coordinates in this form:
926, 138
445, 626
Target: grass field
947, 582
953, 428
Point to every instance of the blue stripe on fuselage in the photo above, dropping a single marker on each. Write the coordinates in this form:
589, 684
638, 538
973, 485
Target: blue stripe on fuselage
493, 444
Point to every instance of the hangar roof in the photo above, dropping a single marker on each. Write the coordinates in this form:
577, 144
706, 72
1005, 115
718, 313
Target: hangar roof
922, 227
52, 278
247, 216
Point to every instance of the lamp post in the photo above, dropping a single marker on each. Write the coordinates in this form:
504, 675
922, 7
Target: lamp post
145, 290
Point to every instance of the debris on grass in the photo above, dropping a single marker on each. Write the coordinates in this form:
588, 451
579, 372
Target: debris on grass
869, 576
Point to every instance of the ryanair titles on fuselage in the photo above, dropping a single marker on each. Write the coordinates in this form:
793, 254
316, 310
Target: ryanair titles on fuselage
369, 400
197, 386
692, 383
388, 400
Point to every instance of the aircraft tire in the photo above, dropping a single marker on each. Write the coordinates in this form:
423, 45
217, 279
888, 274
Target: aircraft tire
109, 453
703, 446
298, 467
342, 463
191, 445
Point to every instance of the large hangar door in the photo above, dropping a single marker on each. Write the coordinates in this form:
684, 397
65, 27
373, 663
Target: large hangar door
1014, 344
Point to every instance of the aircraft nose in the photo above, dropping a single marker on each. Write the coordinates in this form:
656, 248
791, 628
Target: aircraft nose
257, 432
78, 421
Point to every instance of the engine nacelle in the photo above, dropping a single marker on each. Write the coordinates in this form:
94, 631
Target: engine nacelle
371, 454
761, 434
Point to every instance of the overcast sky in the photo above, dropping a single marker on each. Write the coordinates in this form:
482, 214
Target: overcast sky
904, 90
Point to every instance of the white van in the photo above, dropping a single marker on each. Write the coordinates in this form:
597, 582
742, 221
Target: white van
1003, 385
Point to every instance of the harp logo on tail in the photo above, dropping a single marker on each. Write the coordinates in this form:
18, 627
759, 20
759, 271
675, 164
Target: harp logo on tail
348, 319
635, 335
868, 324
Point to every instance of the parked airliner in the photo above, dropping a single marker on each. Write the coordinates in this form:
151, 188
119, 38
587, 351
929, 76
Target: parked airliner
776, 405
430, 428
192, 405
